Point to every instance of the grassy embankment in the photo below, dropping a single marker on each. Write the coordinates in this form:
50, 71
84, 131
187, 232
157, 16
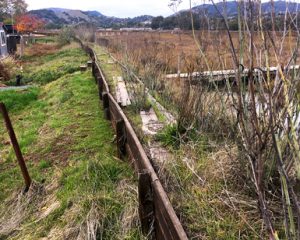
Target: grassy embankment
80, 188
204, 180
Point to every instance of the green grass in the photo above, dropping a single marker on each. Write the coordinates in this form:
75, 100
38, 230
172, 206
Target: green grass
17, 100
202, 207
65, 139
169, 136
45, 39
54, 66
161, 117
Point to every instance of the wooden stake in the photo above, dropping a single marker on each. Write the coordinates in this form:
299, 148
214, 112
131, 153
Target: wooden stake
16, 146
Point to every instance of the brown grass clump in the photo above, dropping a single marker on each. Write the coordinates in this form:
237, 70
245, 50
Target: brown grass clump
19, 208
4, 73
40, 49
172, 47
8, 68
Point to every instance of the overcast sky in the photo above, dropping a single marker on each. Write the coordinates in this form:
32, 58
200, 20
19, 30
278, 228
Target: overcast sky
117, 8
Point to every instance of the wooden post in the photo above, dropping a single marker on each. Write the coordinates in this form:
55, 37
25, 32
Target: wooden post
121, 138
97, 77
146, 205
105, 99
93, 68
16, 146
83, 68
89, 63
100, 86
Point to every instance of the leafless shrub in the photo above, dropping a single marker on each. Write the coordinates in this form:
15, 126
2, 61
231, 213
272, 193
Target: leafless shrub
267, 113
66, 36
86, 32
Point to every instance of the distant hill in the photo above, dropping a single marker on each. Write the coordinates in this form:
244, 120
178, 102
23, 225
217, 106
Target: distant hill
57, 17
182, 19
231, 8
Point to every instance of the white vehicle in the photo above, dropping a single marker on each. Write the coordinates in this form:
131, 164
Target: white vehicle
3, 43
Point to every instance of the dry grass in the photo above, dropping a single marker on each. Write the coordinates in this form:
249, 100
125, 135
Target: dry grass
18, 208
40, 49
8, 68
170, 47
205, 179
213, 182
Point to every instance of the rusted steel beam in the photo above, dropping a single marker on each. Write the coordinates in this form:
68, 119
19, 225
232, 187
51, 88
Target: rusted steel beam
16, 146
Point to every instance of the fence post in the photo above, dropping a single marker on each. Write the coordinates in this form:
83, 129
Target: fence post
105, 99
16, 146
89, 63
93, 68
100, 86
121, 138
146, 205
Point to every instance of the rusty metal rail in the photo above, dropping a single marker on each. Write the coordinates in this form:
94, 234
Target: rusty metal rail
158, 218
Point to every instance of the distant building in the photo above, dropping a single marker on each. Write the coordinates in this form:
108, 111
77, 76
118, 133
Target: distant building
12, 37
10, 29
3, 42
140, 29
176, 30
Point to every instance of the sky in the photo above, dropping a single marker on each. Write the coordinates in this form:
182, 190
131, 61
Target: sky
117, 8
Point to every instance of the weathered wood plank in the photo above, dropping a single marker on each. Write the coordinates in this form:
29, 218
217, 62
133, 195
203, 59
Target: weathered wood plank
122, 95
226, 74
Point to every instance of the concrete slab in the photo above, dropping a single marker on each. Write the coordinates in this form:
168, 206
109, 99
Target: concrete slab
2, 89
151, 125
159, 154
122, 95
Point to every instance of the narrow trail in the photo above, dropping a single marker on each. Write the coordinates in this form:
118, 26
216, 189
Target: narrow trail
151, 125
169, 116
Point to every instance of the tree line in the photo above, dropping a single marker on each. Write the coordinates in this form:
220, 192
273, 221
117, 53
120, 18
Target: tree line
202, 22
11, 8
14, 12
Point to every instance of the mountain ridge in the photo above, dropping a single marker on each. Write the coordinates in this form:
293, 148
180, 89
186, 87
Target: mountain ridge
57, 17
232, 7
60, 16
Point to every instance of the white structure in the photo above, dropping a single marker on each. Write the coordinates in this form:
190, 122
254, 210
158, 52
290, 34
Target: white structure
3, 43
